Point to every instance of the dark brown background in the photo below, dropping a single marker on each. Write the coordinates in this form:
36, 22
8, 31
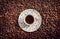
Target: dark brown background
10, 10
